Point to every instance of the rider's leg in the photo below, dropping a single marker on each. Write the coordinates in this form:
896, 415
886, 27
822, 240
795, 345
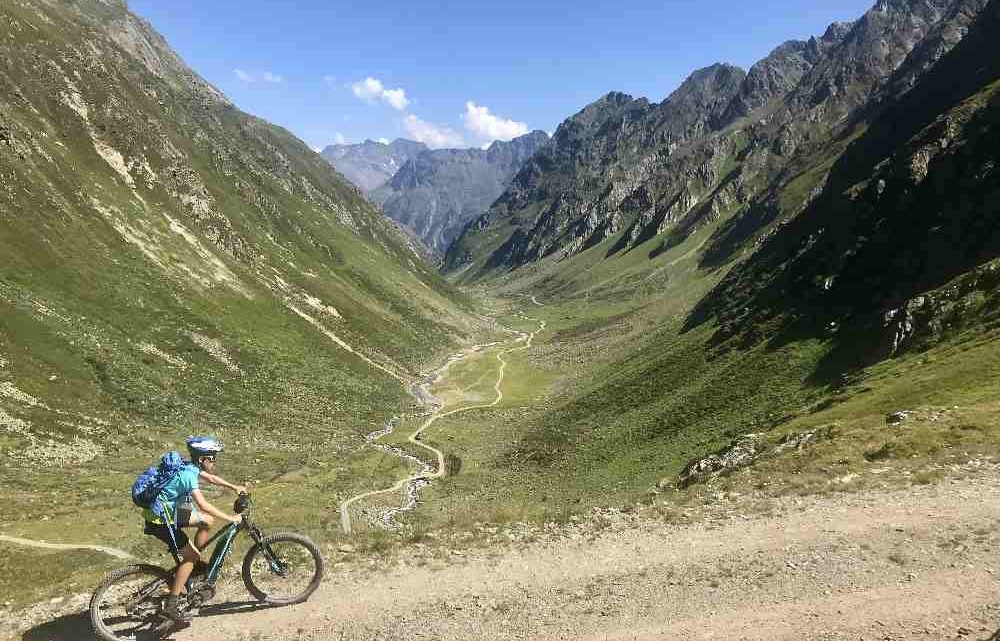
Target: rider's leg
204, 524
189, 554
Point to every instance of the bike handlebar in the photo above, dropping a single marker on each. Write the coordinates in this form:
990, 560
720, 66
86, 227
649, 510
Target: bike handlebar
242, 504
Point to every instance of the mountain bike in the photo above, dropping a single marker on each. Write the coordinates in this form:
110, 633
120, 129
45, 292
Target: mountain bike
280, 569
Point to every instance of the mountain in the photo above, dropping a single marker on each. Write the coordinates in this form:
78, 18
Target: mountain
725, 141
807, 251
896, 250
172, 265
438, 192
370, 164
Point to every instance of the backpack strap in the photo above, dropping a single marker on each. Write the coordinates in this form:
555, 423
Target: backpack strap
171, 524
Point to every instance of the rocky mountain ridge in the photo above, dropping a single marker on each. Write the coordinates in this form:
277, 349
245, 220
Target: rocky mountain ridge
437, 192
370, 164
721, 144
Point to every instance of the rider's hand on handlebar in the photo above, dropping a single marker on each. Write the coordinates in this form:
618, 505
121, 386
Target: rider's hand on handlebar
241, 489
236, 518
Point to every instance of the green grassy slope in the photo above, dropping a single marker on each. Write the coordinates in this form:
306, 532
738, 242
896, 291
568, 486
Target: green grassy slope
668, 351
170, 265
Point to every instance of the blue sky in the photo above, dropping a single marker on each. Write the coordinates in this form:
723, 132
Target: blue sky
461, 73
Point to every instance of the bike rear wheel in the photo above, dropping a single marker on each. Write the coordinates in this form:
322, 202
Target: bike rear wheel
283, 569
127, 603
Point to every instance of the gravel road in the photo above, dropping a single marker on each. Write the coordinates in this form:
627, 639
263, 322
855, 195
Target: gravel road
918, 563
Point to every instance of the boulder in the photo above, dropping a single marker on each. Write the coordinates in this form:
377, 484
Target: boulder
740, 453
896, 417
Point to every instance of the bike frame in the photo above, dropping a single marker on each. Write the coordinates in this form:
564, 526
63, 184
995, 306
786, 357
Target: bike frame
224, 547
223, 540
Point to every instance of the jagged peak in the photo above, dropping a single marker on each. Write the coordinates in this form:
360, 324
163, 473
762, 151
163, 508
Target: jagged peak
715, 69
534, 136
613, 97
837, 31
705, 84
608, 103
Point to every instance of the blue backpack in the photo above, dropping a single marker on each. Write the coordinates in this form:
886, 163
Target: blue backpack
150, 483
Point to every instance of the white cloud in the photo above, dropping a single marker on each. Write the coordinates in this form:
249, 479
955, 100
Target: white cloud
490, 127
371, 90
272, 77
244, 76
340, 139
433, 136
384, 141
330, 80
368, 89
396, 98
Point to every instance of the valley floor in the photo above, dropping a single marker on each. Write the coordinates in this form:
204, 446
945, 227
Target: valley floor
921, 562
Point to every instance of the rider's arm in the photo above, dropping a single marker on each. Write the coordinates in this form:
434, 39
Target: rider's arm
221, 482
208, 508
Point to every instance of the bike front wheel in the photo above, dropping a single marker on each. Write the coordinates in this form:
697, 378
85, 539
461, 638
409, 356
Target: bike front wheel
283, 569
128, 602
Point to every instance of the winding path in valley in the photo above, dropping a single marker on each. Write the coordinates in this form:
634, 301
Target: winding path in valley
115, 552
420, 392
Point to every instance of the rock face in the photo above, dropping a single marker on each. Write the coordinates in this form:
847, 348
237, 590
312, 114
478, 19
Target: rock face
370, 164
741, 453
438, 192
723, 149
899, 246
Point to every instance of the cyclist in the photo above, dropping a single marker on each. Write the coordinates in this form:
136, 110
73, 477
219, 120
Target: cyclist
176, 500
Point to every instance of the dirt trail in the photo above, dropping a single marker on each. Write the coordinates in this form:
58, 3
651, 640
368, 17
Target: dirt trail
923, 562
115, 552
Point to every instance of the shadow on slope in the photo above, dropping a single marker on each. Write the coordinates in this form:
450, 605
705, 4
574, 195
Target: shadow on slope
907, 208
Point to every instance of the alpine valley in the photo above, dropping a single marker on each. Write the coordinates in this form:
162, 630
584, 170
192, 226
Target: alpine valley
720, 366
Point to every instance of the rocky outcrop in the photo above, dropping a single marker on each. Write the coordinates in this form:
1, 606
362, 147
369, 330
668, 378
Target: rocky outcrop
741, 453
745, 451
898, 248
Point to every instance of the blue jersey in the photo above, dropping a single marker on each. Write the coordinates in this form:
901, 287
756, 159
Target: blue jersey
176, 493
